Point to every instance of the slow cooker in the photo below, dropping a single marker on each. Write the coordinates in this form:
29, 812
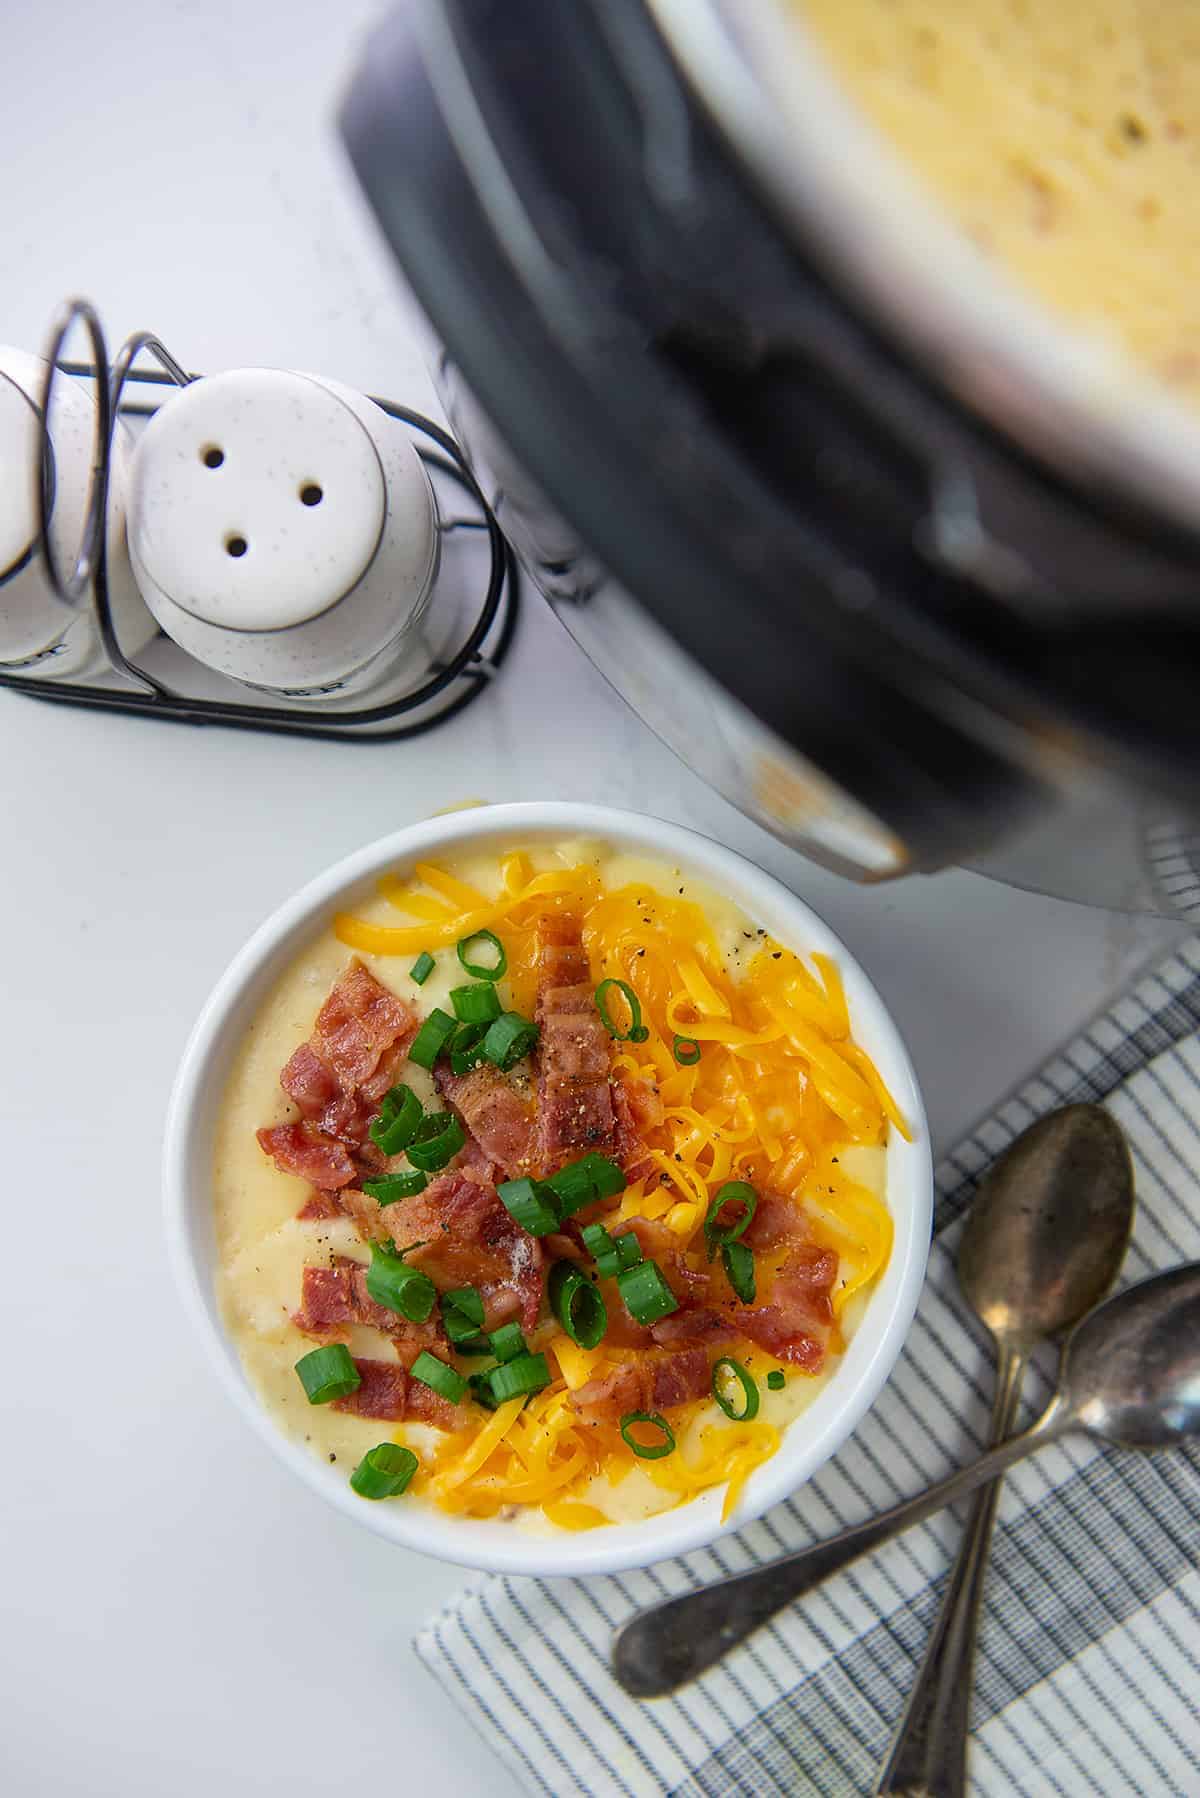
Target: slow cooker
892, 558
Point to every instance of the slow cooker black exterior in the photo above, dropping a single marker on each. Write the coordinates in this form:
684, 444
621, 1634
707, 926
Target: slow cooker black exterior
750, 459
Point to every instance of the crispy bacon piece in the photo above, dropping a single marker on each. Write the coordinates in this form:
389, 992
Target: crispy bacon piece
366, 1214
797, 1323
576, 1117
561, 1247
562, 960
624, 1331
691, 1324
318, 1207
500, 1121
575, 1102
695, 1323
777, 1219
310, 1082
358, 1023
382, 1393
333, 1297
655, 1382
327, 1301
423, 1405
304, 1150
660, 1243
390, 1395
579, 1043
469, 1239
678, 1376
475, 1163
642, 1105
637, 1109
359, 1041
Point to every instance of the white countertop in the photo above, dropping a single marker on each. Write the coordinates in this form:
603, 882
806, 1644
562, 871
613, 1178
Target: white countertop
179, 1617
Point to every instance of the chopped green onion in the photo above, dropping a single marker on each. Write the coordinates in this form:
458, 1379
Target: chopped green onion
439, 1138
612, 1253
497, 968
462, 1314
480, 1385
445, 1381
384, 1472
648, 1451
475, 1004
577, 1305
532, 1203
394, 1101
390, 1187
573, 1187
645, 1292
738, 1263
466, 1300
508, 1342
607, 1177
727, 1375
734, 1192
580, 1182
466, 1051
776, 1380
600, 1245
526, 1373
328, 1373
629, 1250
464, 1340
637, 1032
432, 1038
422, 968
686, 1051
508, 1039
398, 1287
399, 1114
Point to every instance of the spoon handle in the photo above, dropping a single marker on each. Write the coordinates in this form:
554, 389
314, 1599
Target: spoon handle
670, 1643
929, 1751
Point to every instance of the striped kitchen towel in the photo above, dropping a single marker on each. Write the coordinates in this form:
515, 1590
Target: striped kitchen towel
1089, 1659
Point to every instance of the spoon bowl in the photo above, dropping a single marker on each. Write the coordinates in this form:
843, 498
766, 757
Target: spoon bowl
1049, 1228
1131, 1371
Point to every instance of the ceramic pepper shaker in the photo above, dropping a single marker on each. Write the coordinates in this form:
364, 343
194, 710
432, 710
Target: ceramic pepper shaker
283, 530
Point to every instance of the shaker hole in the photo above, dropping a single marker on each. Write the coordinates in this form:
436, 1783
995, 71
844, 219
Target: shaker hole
236, 546
211, 456
311, 494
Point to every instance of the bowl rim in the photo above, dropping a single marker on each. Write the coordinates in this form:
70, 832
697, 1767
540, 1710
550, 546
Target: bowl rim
485, 1543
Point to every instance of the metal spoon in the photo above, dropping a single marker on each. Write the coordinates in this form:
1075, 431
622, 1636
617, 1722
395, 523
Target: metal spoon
1130, 1374
1043, 1243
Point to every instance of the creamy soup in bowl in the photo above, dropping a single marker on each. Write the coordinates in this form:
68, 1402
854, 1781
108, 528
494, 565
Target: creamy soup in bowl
552, 1187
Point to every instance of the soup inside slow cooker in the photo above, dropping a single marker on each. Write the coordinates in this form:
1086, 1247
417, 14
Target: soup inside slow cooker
1064, 138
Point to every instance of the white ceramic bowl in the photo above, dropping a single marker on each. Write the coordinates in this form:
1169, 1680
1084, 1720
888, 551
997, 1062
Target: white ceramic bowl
191, 1119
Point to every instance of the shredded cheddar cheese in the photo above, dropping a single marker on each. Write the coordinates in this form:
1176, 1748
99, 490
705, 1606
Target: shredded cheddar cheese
571, 1515
576, 1365
778, 1096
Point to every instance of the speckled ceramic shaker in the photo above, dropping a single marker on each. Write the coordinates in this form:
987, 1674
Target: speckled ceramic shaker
283, 530
40, 635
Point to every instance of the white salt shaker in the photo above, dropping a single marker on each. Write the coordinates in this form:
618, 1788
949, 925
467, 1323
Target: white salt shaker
40, 635
283, 530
